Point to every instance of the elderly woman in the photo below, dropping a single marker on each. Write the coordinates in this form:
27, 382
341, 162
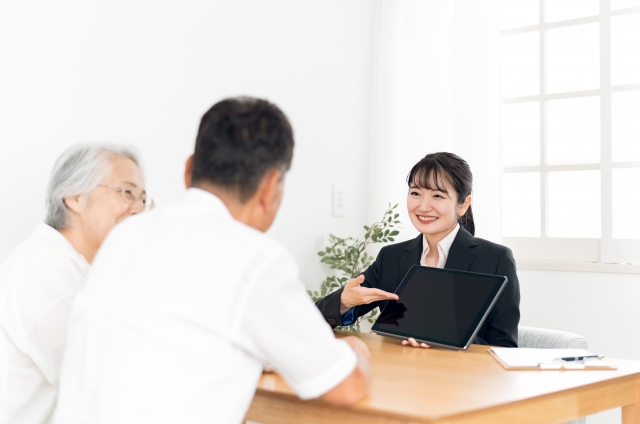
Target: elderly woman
92, 188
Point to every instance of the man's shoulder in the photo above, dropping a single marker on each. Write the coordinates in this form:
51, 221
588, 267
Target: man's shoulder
208, 232
264, 245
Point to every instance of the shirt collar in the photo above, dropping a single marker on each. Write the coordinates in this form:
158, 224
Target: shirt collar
444, 244
208, 200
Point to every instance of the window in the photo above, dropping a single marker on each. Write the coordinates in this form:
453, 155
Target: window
570, 73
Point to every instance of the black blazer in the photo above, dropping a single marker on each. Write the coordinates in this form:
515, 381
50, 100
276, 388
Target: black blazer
467, 253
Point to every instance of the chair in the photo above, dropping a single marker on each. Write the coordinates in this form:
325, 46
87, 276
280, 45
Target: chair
542, 338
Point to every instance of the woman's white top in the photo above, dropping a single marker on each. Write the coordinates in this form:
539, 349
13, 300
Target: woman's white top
38, 283
182, 307
444, 246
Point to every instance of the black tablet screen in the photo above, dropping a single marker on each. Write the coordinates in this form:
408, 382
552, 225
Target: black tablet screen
441, 306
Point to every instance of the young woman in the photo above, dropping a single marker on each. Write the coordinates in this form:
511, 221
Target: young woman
439, 206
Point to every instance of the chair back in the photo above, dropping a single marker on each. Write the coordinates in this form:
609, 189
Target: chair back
543, 338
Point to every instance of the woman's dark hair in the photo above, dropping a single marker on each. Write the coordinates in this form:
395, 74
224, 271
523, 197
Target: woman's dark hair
239, 141
435, 170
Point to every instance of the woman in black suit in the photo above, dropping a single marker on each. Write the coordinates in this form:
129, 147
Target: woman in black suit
439, 206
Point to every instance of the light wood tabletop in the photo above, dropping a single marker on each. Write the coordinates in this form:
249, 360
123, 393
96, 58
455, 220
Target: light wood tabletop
412, 385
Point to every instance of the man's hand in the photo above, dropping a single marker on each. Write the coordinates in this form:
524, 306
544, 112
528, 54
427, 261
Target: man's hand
358, 346
411, 341
353, 295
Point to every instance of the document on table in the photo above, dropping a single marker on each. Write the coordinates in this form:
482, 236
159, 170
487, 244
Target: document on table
546, 359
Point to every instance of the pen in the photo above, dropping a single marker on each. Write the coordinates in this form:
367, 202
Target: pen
578, 358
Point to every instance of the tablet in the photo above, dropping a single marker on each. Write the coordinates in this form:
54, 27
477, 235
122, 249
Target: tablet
440, 307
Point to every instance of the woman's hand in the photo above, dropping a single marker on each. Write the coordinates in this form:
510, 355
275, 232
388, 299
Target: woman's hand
412, 342
353, 295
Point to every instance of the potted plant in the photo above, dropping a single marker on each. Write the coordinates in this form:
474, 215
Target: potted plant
348, 256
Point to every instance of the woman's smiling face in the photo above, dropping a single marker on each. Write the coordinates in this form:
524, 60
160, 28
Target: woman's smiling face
434, 211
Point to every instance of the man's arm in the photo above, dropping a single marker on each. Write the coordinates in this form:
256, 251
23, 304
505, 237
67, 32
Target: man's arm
356, 385
305, 351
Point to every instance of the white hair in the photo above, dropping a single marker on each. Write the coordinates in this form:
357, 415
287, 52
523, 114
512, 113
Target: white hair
77, 171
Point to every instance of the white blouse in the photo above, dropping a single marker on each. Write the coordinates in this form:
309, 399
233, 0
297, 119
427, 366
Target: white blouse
443, 248
38, 283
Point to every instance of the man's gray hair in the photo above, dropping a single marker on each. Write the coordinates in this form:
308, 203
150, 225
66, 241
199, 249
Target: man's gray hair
77, 171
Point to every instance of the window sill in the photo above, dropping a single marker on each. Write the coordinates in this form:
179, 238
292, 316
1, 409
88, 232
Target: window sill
579, 267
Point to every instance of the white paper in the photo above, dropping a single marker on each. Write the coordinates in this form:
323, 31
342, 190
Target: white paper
524, 357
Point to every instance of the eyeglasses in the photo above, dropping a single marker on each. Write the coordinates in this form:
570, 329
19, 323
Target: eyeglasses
131, 196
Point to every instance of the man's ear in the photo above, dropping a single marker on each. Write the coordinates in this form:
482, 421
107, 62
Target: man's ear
187, 172
465, 205
270, 190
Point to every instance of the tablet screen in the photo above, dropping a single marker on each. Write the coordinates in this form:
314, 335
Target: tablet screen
439, 305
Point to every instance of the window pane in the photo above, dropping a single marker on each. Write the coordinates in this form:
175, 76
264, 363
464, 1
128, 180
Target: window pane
626, 203
520, 64
560, 10
625, 126
625, 49
521, 204
573, 61
513, 14
521, 134
573, 130
574, 204
622, 4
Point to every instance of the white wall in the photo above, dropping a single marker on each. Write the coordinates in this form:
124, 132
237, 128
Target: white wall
144, 73
602, 307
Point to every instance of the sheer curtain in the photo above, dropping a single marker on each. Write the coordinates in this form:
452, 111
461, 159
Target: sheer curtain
436, 88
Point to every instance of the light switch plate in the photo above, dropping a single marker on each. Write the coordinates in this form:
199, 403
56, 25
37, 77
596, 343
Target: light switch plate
339, 200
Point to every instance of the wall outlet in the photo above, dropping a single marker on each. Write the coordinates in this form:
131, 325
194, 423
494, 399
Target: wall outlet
339, 200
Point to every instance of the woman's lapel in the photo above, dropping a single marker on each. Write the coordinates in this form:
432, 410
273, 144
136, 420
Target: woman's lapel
462, 252
460, 258
412, 255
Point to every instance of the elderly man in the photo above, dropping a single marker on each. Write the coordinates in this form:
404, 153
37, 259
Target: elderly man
176, 330
92, 187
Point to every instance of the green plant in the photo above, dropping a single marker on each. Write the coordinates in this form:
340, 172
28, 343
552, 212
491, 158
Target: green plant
348, 256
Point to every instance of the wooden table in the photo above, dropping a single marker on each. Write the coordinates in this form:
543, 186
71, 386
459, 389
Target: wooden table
413, 385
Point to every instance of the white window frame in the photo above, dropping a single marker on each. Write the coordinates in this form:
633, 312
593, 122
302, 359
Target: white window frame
534, 251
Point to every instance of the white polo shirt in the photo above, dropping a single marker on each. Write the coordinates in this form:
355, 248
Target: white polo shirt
182, 307
38, 283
